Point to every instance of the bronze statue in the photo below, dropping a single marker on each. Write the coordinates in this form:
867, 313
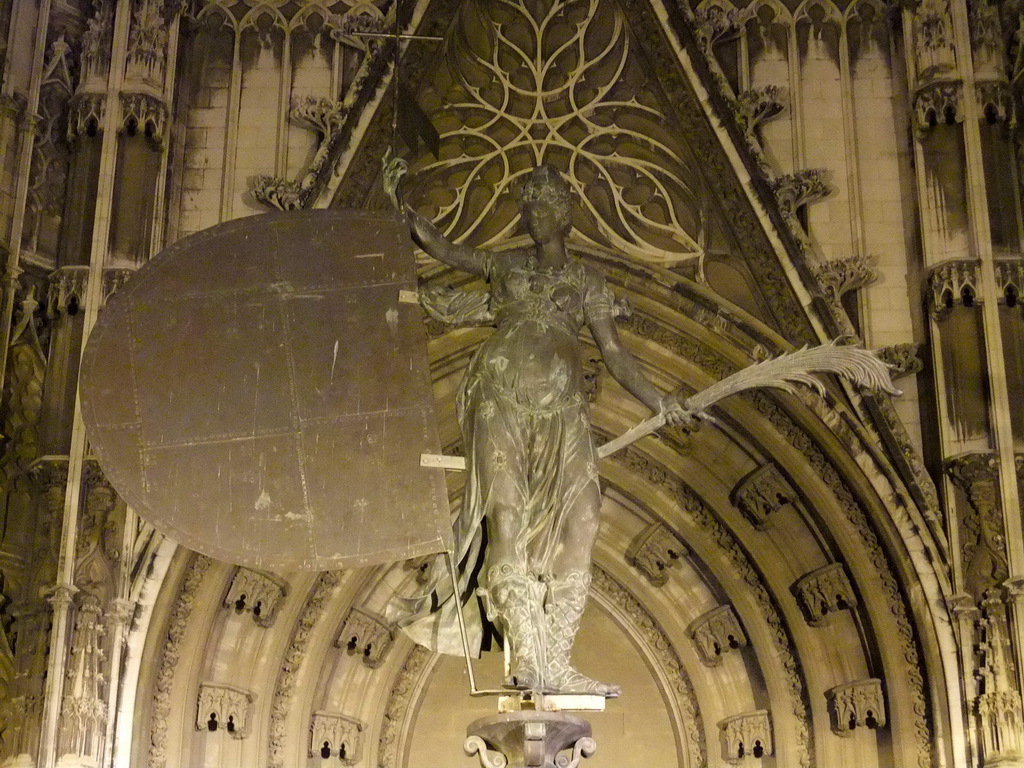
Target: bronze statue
526, 433
530, 457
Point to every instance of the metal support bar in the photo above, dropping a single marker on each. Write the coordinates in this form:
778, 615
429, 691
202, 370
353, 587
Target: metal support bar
473, 690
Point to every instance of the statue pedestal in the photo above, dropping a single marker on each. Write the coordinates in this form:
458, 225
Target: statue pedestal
530, 739
551, 702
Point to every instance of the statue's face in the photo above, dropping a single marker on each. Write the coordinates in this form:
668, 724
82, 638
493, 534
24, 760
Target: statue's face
541, 221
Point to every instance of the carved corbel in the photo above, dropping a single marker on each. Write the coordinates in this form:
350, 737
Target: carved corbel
939, 102
86, 112
68, 285
762, 492
715, 22
841, 276
113, 279
336, 735
995, 100
67, 291
144, 113
902, 359
280, 193
224, 706
858, 704
824, 592
366, 634
759, 105
715, 633
353, 27
799, 189
746, 736
1010, 279
258, 594
654, 550
953, 284
325, 116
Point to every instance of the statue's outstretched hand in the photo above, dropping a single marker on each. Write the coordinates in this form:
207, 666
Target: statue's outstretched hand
394, 169
677, 415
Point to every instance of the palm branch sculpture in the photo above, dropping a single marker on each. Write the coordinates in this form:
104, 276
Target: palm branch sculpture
785, 372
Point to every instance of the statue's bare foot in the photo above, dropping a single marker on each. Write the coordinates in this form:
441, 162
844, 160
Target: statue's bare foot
571, 681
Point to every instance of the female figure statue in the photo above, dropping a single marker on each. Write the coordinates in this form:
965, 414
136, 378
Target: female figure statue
530, 458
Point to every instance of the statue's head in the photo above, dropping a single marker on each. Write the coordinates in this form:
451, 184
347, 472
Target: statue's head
545, 185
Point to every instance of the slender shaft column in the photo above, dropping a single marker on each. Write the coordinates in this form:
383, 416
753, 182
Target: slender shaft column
949, 66
28, 136
996, 358
94, 294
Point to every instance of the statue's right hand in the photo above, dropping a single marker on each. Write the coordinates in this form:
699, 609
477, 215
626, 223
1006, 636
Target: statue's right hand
394, 169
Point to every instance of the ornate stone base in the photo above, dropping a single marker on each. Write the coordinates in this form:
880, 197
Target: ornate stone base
529, 740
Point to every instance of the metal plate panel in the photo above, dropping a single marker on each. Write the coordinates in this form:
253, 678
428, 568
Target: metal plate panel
258, 393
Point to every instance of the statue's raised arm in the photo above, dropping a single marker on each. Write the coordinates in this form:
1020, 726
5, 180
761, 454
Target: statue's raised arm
426, 235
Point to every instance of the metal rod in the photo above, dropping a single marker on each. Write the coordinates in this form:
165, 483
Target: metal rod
462, 619
392, 35
473, 690
396, 34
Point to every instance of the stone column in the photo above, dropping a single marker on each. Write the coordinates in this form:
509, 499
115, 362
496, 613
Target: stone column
990, 673
26, 29
960, 101
119, 120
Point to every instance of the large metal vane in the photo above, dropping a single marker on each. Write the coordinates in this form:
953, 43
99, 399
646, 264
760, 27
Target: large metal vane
259, 394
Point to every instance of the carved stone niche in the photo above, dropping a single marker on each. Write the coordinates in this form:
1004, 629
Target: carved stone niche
763, 491
746, 736
256, 593
939, 102
995, 100
654, 550
715, 633
367, 634
336, 735
823, 592
67, 290
856, 704
1010, 279
952, 284
224, 706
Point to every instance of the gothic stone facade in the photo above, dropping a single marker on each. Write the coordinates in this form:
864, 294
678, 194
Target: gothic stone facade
806, 581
